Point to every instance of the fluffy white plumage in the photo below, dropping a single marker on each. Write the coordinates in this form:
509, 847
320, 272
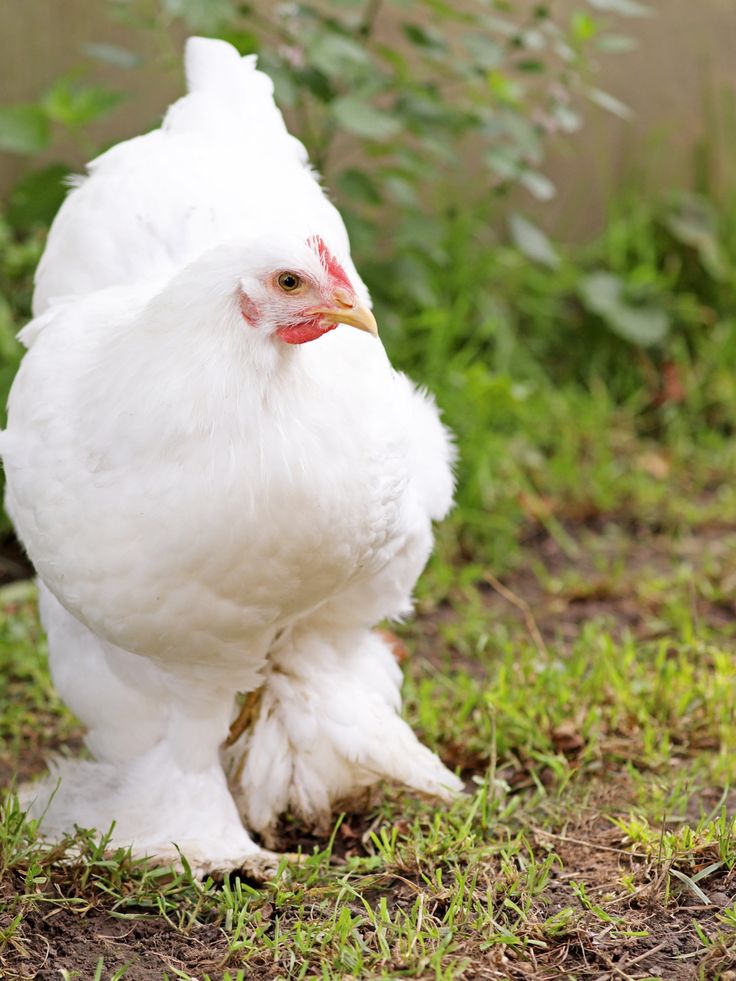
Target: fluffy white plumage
211, 510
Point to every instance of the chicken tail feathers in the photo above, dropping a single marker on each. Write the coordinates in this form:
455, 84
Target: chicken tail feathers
212, 65
327, 729
216, 71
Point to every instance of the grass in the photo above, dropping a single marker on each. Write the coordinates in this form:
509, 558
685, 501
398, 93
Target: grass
572, 656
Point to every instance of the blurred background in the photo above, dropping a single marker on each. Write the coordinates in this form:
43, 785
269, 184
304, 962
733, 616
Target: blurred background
677, 78
540, 196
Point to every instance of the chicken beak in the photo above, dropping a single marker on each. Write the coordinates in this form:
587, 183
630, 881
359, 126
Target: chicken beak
347, 311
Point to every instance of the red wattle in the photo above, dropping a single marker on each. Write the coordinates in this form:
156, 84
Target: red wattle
307, 330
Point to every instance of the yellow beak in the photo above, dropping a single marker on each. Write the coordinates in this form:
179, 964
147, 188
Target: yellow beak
346, 311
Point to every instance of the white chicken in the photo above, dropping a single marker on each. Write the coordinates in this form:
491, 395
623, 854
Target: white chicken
220, 492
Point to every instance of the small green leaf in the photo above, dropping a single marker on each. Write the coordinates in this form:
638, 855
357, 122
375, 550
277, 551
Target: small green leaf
567, 119
112, 54
604, 294
448, 11
601, 291
316, 82
499, 25
504, 89
336, 55
363, 119
504, 162
23, 129
694, 223
486, 53
609, 103
425, 37
358, 186
438, 147
37, 196
532, 242
202, 15
692, 886
73, 104
642, 325
245, 41
287, 85
708, 870
538, 185
417, 280
627, 8
519, 132
400, 190
532, 39
616, 43
584, 27
532, 66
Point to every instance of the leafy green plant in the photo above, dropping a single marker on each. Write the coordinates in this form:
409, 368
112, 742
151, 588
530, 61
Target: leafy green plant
68, 106
66, 110
388, 96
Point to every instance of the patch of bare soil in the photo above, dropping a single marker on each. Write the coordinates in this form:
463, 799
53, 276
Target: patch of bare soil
37, 749
599, 575
55, 940
624, 933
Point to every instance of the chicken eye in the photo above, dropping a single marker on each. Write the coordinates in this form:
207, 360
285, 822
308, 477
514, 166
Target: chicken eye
289, 281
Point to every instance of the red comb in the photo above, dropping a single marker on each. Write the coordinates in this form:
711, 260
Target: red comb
329, 262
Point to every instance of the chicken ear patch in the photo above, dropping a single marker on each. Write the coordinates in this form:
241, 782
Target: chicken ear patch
330, 263
248, 308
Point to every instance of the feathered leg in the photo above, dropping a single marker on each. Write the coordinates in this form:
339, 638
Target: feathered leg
157, 774
115, 694
327, 728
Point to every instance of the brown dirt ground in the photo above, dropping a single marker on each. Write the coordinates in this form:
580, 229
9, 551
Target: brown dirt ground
598, 593
66, 940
